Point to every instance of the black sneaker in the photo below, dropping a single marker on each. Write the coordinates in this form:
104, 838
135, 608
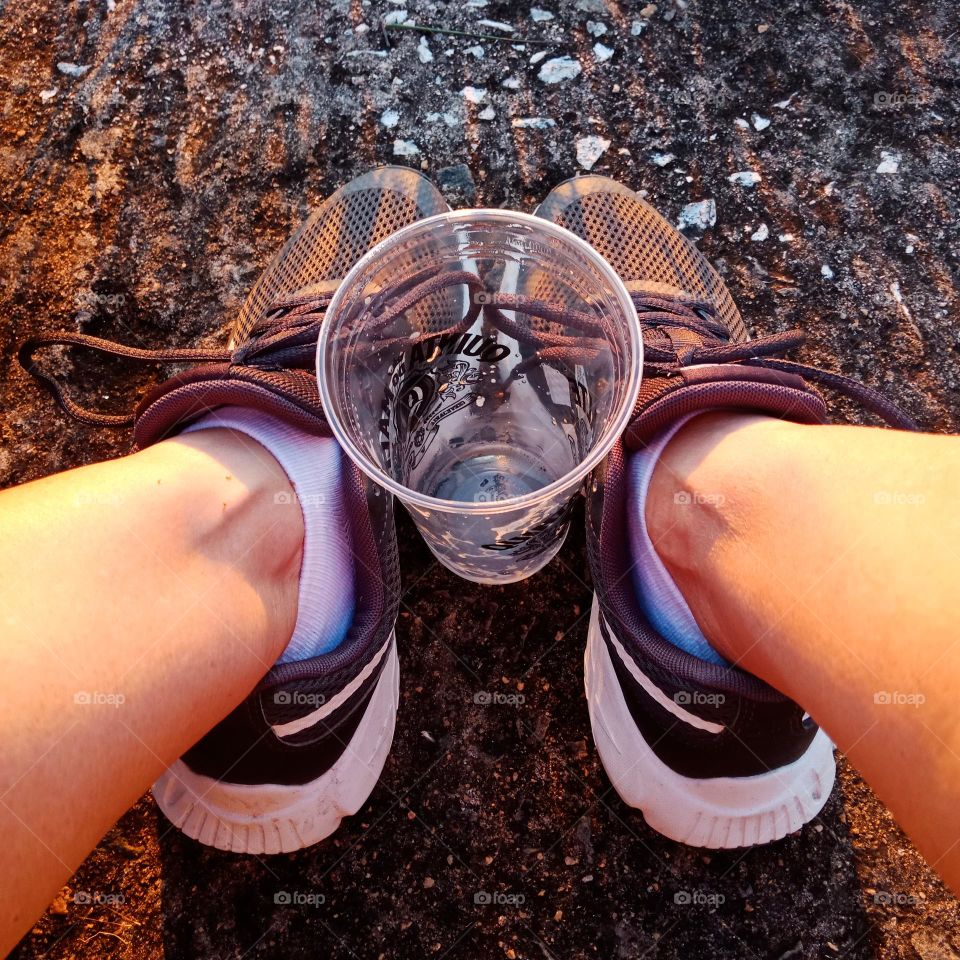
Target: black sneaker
713, 756
306, 748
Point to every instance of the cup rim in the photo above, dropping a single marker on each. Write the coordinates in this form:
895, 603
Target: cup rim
601, 448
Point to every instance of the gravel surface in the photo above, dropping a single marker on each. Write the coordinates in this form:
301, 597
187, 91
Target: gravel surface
154, 156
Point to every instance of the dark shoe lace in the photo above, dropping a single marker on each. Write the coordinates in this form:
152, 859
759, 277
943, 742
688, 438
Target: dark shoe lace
286, 338
664, 356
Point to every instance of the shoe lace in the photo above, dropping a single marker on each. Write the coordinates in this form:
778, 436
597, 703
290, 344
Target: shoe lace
285, 338
665, 356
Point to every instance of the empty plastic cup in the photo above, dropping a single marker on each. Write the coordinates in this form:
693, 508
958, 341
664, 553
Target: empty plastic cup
478, 364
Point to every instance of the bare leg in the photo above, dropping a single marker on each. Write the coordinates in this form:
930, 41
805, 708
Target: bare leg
826, 560
142, 600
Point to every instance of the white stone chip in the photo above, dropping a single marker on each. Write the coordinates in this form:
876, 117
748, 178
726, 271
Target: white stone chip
533, 123
699, 215
424, 52
590, 150
72, 69
601, 52
405, 148
745, 178
560, 69
496, 25
889, 162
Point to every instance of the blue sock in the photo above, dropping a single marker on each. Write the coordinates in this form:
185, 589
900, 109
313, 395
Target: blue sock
659, 597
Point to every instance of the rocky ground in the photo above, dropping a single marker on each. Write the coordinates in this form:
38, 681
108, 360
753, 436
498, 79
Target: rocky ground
156, 153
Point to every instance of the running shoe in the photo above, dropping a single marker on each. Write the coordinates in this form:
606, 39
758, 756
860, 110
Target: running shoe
710, 754
307, 746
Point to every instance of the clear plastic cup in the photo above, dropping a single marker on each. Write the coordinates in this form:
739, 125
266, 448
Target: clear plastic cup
478, 364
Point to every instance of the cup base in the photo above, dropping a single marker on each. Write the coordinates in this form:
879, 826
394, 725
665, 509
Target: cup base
511, 575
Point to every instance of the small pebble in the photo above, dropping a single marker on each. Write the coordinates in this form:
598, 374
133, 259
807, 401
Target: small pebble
590, 149
596, 29
745, 178
559, 69
424, 52
533, 123
759, 123
405, 148
761, 233
699, 215
825, 271
390, 118
496, 25
72, 69
889, 162
540, 16
602, 53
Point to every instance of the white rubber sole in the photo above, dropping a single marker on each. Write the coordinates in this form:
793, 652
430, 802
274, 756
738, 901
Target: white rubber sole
274, 818
721, 812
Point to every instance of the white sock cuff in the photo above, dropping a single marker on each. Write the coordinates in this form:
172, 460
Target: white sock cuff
312, 464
